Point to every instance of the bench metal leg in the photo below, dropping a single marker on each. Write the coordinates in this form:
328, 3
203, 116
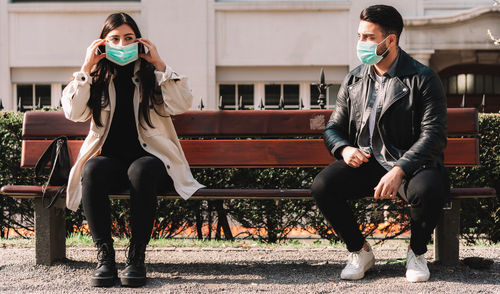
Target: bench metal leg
446, 242
50, 232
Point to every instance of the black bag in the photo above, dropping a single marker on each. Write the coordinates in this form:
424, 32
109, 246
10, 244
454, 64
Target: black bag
60, 165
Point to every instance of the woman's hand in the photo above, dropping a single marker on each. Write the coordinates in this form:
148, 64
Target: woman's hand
152, 56
93, 56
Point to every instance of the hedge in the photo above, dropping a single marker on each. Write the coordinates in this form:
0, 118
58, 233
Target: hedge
266, 220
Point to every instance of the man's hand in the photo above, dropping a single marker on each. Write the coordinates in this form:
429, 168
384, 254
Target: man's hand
389, 184
354, 157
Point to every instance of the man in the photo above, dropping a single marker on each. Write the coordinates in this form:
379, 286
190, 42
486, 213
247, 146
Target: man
387, 132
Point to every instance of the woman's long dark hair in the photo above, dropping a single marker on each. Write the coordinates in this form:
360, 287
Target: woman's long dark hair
101, 76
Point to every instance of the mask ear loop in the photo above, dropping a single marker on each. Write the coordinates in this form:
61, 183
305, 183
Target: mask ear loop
386, 52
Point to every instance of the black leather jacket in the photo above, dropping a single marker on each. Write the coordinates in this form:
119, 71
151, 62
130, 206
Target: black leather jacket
412, 125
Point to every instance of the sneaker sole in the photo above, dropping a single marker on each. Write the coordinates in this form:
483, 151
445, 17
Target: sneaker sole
103, 282
418, 279
133, 282
360, 275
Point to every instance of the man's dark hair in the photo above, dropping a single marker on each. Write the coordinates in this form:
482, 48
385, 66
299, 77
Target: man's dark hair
387, 17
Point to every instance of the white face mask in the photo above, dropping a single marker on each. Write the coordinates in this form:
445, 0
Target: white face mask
122, 55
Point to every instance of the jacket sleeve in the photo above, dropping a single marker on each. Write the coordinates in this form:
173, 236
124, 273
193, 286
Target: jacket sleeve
175, 90
336, 132
433, 128
75, 97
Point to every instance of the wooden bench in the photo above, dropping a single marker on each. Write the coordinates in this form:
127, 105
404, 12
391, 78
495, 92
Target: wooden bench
232, 148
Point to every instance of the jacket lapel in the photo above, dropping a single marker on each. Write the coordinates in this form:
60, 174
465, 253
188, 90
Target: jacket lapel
395, 90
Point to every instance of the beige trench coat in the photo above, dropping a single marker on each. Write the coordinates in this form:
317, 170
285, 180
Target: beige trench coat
161, 141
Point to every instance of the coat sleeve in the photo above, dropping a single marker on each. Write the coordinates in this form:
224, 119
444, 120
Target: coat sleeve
336, 132
75, 97
175, 90
433, 127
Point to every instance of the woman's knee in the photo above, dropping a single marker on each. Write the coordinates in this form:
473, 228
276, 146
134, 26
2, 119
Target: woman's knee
94, 170
146, 170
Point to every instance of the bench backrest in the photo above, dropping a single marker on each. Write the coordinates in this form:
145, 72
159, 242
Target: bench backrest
273, 135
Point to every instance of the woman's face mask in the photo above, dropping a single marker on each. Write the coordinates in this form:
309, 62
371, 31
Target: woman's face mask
122, 55
367, 52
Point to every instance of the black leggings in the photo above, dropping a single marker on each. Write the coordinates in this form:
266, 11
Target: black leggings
145, 177
426, 192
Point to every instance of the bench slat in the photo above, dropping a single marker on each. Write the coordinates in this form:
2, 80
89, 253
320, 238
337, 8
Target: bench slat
261, 153
27, 192
461, 121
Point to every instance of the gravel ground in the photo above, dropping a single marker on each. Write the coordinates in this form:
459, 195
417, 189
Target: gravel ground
242, 270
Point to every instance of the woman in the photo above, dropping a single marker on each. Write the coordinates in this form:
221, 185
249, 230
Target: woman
129, 94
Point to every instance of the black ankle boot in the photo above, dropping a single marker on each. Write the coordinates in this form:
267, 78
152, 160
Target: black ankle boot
134, 274
105, 274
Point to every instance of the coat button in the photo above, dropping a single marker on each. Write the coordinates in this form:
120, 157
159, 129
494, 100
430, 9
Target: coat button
83, 78
168, 166
144, 145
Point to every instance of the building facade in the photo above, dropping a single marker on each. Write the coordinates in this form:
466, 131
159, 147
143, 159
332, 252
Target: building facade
243, 54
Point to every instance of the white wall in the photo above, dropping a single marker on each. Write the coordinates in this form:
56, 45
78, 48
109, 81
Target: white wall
281, 38
183, 30
5, 84
224, 41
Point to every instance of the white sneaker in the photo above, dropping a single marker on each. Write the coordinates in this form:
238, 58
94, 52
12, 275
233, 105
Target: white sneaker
357, 264
416, 268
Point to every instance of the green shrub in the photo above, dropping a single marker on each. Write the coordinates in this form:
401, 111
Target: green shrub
15, 213
271, 220
481, 217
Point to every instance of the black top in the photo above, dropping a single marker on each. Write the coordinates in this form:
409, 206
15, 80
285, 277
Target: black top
122, 141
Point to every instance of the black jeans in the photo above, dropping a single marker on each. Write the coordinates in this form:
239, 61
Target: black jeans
145, 177
426, 192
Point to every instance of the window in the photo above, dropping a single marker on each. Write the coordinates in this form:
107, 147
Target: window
272, 96
476, 84
472, 85
236, 96
331, 95
24, 97
294, 96
452, 85
497, 84
33, 97
290, 93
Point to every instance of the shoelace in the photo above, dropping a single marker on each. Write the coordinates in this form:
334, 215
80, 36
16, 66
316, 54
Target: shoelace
104, 255
417, 262
353, 259
132, 256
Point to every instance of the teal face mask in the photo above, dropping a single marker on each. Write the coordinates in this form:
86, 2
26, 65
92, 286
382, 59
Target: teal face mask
367, 52
122, 55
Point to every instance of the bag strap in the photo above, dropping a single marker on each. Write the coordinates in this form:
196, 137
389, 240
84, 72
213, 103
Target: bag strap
42, 162
56, 196
44, 159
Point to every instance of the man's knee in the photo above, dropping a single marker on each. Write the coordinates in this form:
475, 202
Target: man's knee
428, 192
322, 187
